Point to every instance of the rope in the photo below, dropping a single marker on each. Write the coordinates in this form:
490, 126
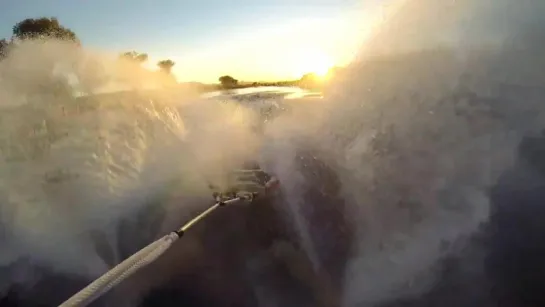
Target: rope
136, 262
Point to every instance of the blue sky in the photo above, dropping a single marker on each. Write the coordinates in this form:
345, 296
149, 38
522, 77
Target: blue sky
257, 39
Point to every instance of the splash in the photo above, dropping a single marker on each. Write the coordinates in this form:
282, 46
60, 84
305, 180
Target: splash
432, 119
75, 165
415, 132
418, 129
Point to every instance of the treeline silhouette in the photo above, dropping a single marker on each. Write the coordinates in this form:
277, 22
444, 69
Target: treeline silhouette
50, 27
309, 81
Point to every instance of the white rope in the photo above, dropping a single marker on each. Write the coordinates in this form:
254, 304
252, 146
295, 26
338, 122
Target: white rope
120, 272
144, 257
134, 263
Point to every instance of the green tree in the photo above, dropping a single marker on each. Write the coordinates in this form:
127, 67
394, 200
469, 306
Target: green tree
46, 28
3, 47
228, 81
166, 66
32, 28
165, 72
135, 57
131, 70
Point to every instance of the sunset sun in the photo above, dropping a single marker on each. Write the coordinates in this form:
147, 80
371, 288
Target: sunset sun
315, 62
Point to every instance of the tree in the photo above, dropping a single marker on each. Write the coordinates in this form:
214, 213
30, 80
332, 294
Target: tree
135, 57
310, 77
46, 81
310, 81
130, 70
32, 28
165, 72
228, 81
166, 66
3, 48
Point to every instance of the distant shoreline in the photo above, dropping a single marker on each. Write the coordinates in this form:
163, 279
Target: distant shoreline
205, 88
195, 90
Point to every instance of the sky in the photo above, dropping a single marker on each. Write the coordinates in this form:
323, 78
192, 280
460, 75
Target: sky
252, 40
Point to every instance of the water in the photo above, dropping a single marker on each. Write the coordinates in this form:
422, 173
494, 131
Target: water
382, 180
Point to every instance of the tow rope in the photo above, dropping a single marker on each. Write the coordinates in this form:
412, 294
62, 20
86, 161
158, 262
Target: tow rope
150, 253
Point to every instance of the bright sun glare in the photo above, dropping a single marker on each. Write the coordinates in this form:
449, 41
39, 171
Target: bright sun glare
315, 62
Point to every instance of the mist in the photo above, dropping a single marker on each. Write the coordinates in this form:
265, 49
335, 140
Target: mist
414, 135
73, 166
